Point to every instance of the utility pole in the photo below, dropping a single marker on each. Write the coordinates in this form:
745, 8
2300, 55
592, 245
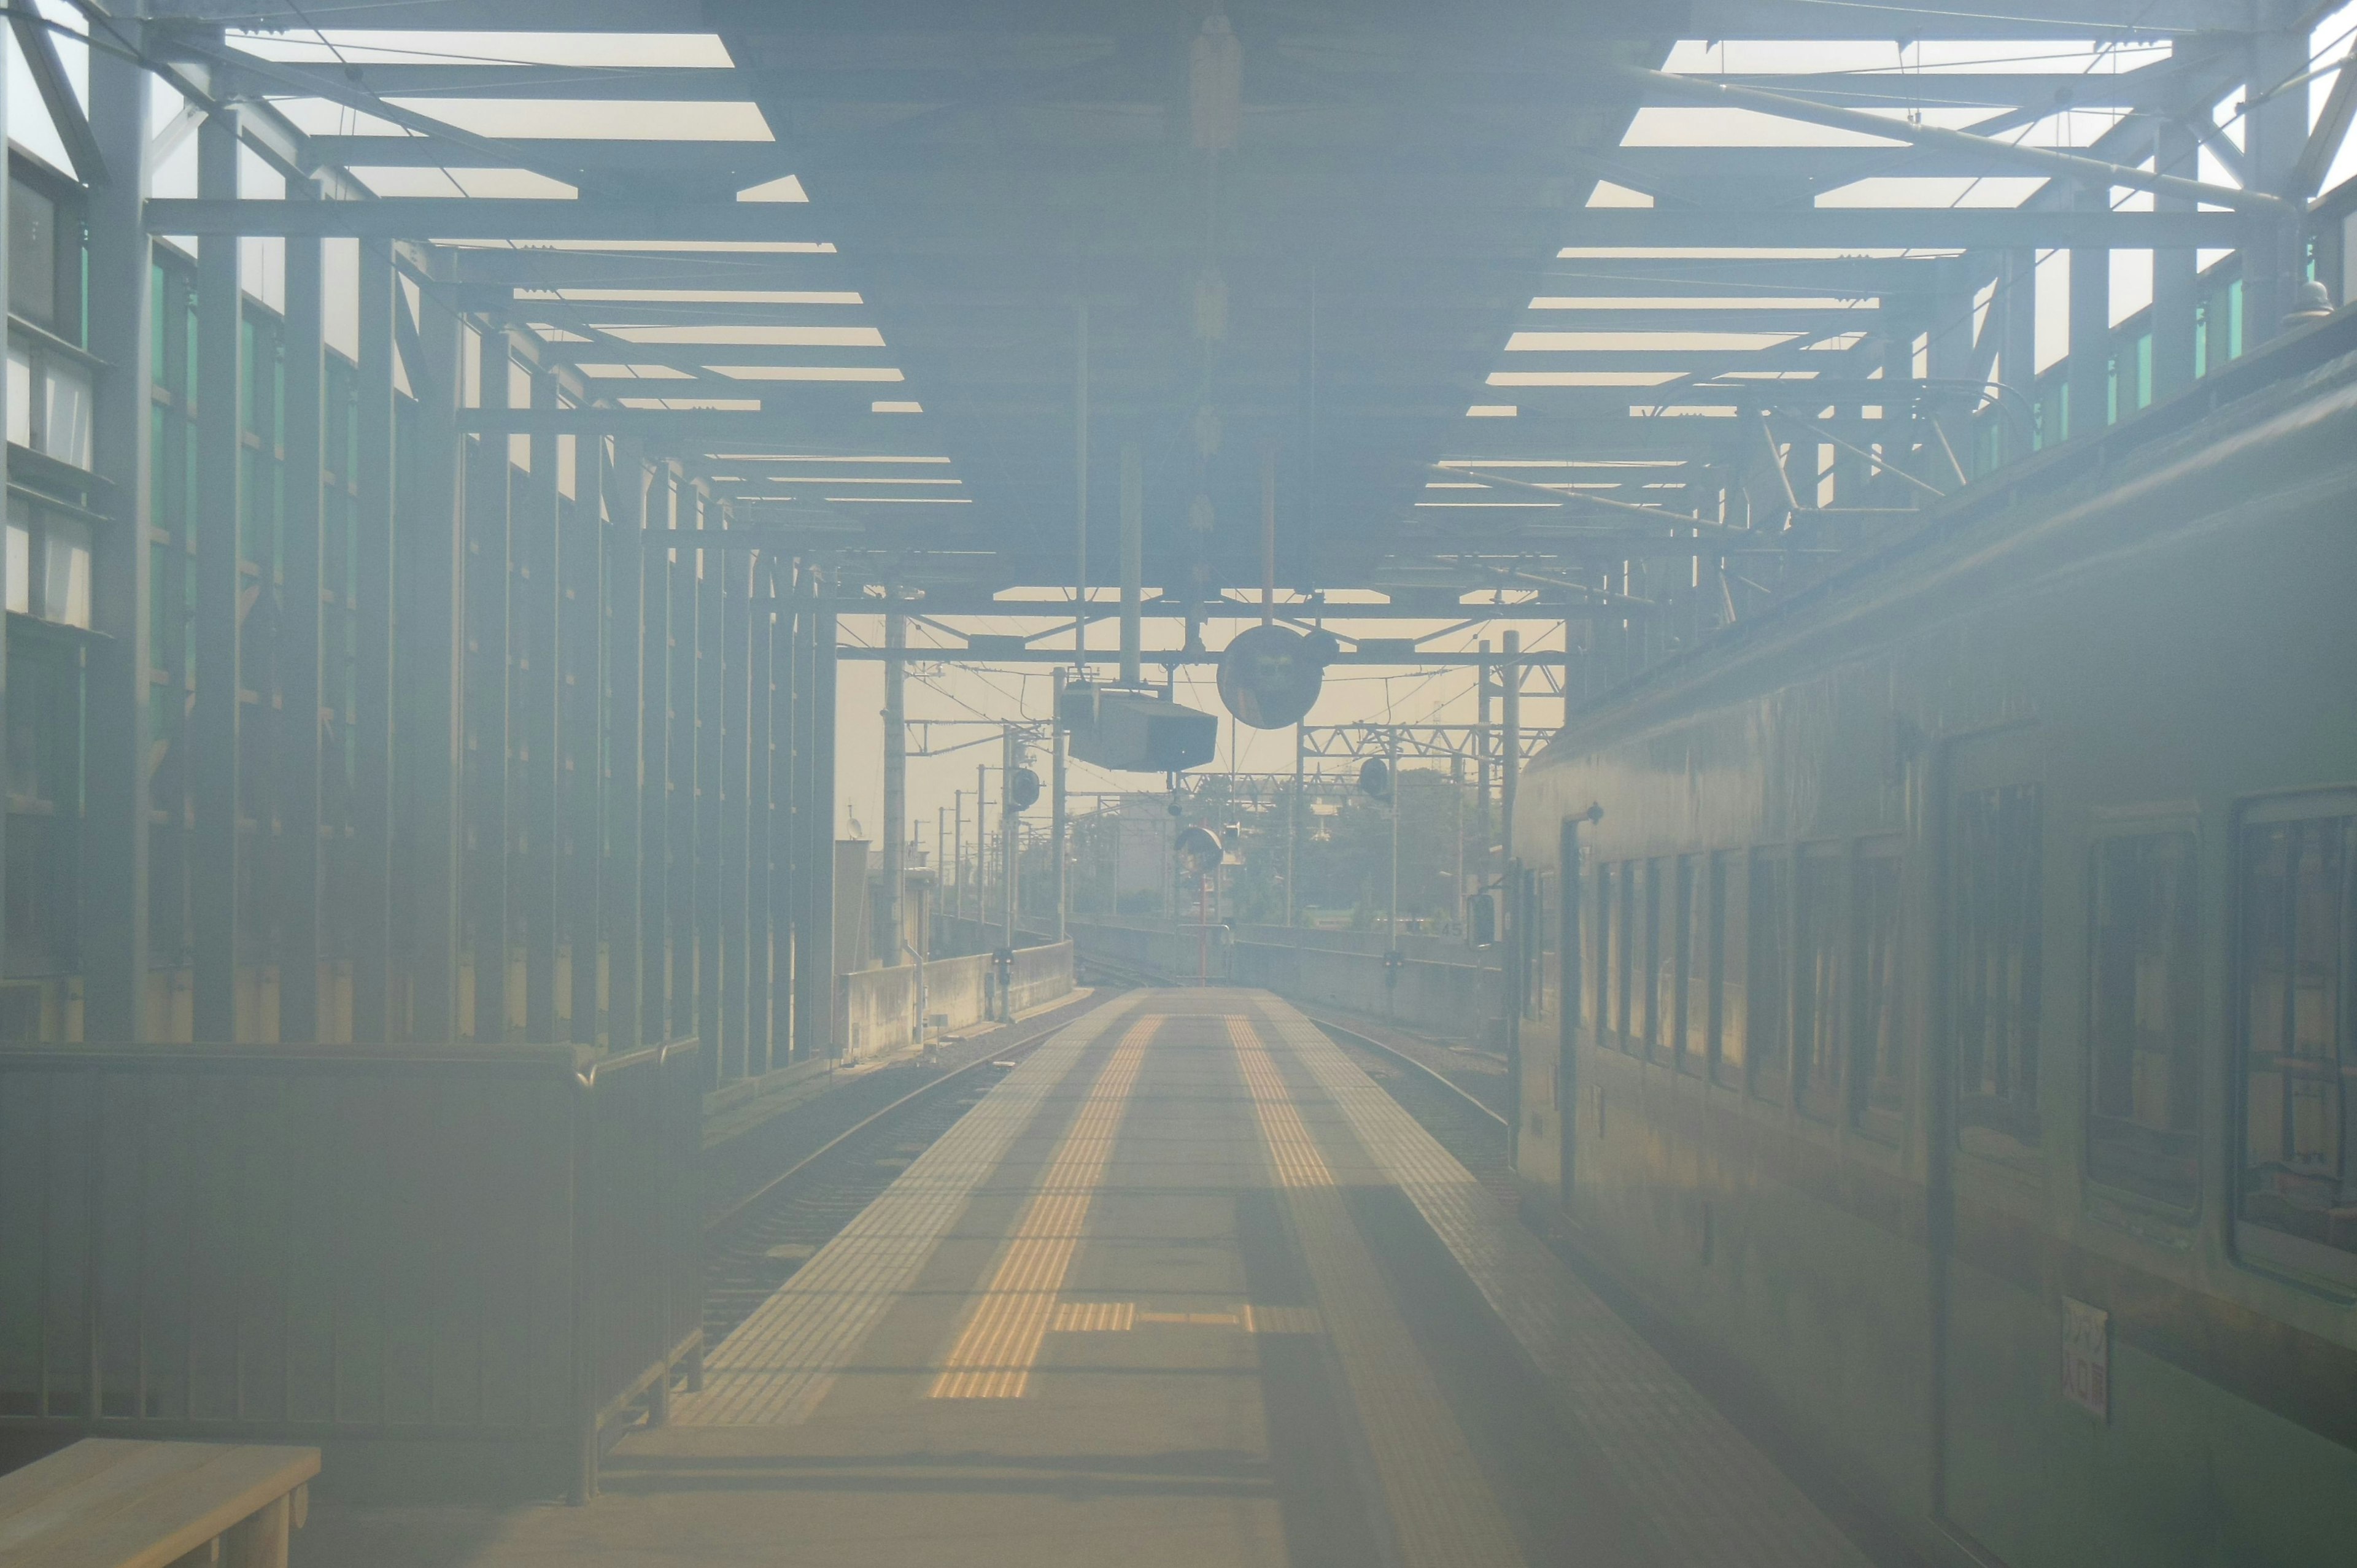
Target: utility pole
1510, 765
981, 849
1059, 823
895, 773
957, 814
1293, 831
1391, 920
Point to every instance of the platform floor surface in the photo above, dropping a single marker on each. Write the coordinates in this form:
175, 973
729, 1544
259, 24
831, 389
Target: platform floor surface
1185, 1288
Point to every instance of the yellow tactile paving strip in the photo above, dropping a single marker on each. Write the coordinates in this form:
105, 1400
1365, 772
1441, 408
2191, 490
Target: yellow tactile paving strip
994, 1353
780, 1362
1706, 1493
1443, 1513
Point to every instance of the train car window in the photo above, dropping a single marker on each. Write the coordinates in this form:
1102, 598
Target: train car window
2142, 1018
1546, 926
1879, 1066
1636, 958
1694, 993
1820, 986
1599, 971
2298, 1199
1730, 871
1661, 882
1770, 973
1996, 931
1624, 922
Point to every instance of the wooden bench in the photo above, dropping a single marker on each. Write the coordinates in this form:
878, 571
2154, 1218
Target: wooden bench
105, 1503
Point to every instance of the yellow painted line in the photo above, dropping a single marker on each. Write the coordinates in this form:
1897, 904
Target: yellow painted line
1094, 1318
1443, 1512
1291, 1149
993, 1356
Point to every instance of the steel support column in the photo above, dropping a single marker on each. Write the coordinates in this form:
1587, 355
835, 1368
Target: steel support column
2090, 328
369, 889
214, 718
711, 729
115, 906
622, 756
429, 567
679, 813
653, 611
736, 843
301, 520
486, 713
761, 807
578, 841
534, 596
784, 852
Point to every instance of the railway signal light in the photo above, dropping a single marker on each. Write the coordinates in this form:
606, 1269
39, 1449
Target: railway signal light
1376, 778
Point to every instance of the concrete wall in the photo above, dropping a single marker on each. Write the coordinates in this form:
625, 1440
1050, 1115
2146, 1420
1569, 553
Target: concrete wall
876, 1009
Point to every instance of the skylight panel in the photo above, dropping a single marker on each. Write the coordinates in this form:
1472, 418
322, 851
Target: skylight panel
808, 372
896, 405
1492, 411
1582, 377
693, 295
1935, 190
597, 119
502, 184
695, 404
1720, 125
1701, 302
756, 336
363, 47
1628, 342
788, 187
616, 373
648, 247
1775, 57
817, 458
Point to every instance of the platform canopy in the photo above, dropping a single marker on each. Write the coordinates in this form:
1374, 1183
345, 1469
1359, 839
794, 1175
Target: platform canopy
1461, 283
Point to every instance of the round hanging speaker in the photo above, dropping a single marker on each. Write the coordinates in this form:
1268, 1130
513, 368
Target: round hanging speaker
1198, 850
1269, 676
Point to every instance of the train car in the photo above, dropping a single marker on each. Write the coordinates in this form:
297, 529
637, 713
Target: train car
1940, 1009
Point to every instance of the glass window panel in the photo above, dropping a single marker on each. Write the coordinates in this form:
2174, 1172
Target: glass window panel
33, 255
1880, 1065
1624, 924
65, 412
1600, 967
1819, 983
2142, 1017
1643, 885
2298, 917
20, 556
20, 396
1662, 885
1997, 932
1770, 972
1732, 871
65, 572
1693, 897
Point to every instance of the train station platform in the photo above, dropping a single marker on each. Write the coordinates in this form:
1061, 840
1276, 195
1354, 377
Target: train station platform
1187, 1288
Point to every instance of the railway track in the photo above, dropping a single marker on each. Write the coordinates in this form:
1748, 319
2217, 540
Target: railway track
755, 1241
1459, 1123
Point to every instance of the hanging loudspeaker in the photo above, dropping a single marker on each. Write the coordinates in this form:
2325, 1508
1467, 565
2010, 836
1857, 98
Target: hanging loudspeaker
1269, 676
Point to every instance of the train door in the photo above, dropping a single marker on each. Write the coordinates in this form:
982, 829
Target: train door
1992, 1396
1571, 993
